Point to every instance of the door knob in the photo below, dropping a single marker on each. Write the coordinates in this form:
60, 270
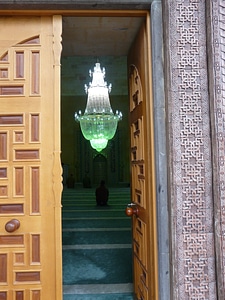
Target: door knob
131, 210
12, 225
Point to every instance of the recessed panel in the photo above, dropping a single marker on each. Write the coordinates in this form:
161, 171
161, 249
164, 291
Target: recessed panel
7, 240
4, 57
3, 268
3, 145
35, 189
19, 181
34, 128
19, 258
3, 190
3, 172
135, 98
35, 73
19, 295
4, 73
13, 90
3, 295
26, 154
18, 136
35, 248
20, 64
11, 119
27, 276
36, 295
11, 208
33, 40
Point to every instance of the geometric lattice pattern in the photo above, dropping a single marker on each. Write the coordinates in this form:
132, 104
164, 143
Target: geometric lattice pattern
190, 144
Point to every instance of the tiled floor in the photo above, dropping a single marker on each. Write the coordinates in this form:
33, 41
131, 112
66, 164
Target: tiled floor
97, 254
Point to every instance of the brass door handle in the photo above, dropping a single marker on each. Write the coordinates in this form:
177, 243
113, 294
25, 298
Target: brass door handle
12, 225
132, 209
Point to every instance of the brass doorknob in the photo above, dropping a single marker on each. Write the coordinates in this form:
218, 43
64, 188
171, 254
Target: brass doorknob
131, 210
12, 225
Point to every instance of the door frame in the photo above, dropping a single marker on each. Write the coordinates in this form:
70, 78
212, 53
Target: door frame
155, 8
161, 153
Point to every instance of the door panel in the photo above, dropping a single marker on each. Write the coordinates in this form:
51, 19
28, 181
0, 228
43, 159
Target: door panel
30, 170
142, 167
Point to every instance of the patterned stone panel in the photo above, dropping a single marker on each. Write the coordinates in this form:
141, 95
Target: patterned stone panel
217, 66
190, 160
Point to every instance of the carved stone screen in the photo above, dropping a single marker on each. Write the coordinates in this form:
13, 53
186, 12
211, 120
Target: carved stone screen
192, 209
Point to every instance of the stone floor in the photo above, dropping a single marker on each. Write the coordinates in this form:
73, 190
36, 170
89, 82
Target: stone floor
97, 253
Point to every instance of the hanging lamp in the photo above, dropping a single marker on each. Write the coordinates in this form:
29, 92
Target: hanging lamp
98, 123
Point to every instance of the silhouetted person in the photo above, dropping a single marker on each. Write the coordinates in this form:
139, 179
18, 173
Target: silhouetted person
86, 181
70, 182
102, 194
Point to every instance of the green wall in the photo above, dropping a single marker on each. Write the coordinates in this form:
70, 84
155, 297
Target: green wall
77, 155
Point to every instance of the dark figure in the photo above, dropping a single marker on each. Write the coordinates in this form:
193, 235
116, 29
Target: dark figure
86, 181
102, 194
70, 182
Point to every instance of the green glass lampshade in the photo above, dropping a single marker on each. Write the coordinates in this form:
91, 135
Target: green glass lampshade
98, 123
99, 144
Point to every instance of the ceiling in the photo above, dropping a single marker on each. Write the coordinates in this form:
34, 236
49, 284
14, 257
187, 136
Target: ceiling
99, 36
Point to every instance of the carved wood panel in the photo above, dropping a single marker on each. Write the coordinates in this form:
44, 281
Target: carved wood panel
19, 179
142, 171
25, 179
138, 182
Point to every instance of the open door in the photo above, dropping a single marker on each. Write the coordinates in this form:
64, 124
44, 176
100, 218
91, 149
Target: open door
143, 206
30, 169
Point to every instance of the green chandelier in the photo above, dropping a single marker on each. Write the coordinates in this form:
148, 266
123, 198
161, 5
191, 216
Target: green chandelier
98, 123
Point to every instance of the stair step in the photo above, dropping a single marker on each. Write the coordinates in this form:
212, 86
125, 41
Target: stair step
97, 248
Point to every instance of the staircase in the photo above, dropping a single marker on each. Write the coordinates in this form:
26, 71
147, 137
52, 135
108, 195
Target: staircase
97, 253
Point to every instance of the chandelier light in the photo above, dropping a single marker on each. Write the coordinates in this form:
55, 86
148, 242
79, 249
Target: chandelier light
98, 123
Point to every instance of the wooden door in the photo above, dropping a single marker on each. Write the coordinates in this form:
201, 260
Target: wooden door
142, 168
30, 169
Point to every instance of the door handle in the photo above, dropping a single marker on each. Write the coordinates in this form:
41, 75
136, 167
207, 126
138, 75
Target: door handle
132, 210
12, 225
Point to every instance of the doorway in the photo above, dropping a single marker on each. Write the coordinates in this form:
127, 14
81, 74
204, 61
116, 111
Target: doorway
53, 112
101, 46
114, 162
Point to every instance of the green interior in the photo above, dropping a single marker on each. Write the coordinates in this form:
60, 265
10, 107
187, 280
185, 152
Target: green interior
97, 248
